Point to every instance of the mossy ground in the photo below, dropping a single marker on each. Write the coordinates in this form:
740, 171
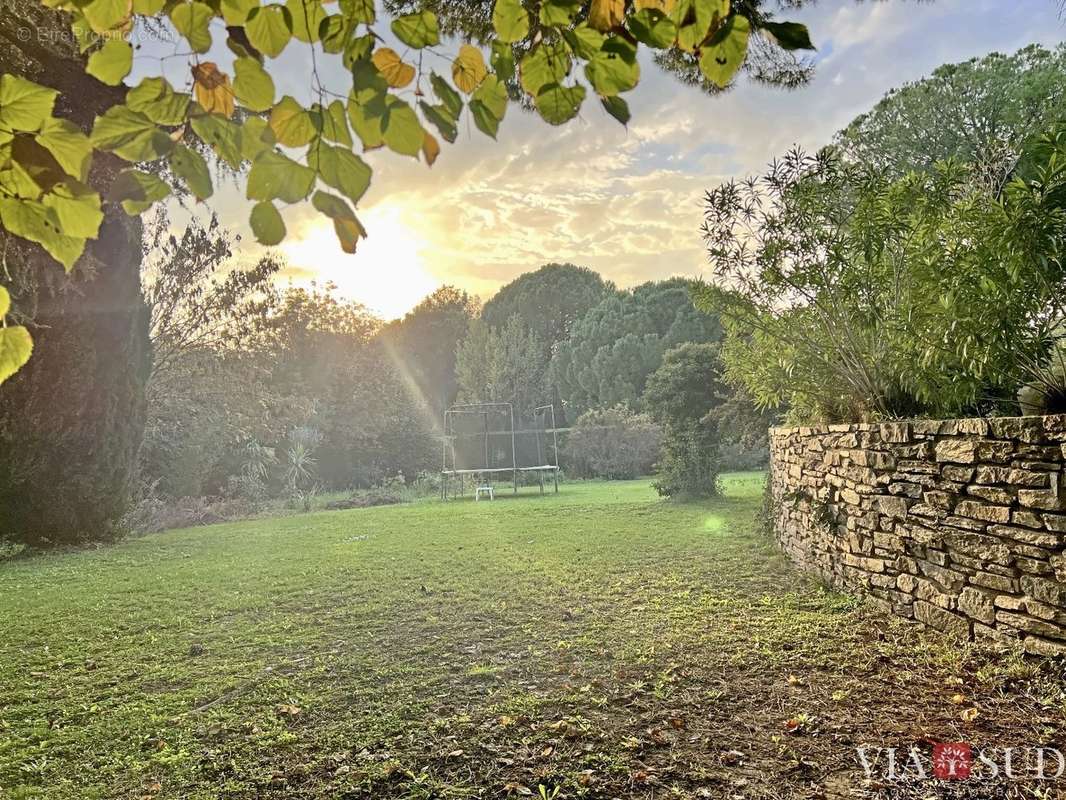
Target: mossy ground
597, 643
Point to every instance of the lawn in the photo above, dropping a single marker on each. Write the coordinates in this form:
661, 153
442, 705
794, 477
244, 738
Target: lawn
599, 643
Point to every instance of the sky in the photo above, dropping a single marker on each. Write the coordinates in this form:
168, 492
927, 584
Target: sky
624, 201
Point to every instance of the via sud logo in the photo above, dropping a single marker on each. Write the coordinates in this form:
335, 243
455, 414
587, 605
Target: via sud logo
961, 761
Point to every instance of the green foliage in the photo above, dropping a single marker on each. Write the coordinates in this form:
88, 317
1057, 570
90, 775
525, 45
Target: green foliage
502, 364
72, 418
425, 343
16, 344
681, 396
239, 367
980, 111
620, 341
548, 301
612, 443
849, 295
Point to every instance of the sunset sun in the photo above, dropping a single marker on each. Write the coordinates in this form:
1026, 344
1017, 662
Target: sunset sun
388, 274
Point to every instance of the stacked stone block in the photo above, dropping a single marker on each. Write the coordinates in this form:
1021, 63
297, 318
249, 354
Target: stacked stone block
959, 524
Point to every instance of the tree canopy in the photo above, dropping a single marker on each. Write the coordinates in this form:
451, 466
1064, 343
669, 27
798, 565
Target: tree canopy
548, 301
615, 347
424, 343
980, 111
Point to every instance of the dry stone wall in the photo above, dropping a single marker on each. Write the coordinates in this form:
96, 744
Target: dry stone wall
959, 524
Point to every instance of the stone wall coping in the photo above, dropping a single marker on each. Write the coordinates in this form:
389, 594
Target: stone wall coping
1057, 423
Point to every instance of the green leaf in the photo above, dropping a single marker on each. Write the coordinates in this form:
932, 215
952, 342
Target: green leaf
617, 108
24, 106
191, 168
254, 137
130, 135
253, 87
501, 59
307, 16
335, 124
275, 176
417, 30
269, 29
695, 19
652, 27
5, 302
347, 226
366, 111
402, 131
558, 104
111, 63
16, 347
724, 54
223, 136
148, 8
558, 13
192, 20
267, 224
614, 69
488, 105
235, 12
441, 119
584, 41
359, 11
548, 63
451, 99
20, 180
790, 35
137, 191
291, 123
71, 148
333, 31
341, 169
77, 207
36, 222
510, 21
105, 15
154, 98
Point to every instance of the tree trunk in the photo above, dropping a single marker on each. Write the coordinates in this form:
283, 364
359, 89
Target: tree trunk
71, 420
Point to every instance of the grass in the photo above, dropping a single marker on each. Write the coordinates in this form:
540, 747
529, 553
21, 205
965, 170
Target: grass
598, 643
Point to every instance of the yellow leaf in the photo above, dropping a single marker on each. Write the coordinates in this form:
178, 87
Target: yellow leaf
213, 90
396, 73
349, 232
968, 714
468, 69
430, 147
606, 14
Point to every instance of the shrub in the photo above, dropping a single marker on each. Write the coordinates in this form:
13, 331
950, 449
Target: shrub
683, 396
848, 295
689, 466
612, 443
